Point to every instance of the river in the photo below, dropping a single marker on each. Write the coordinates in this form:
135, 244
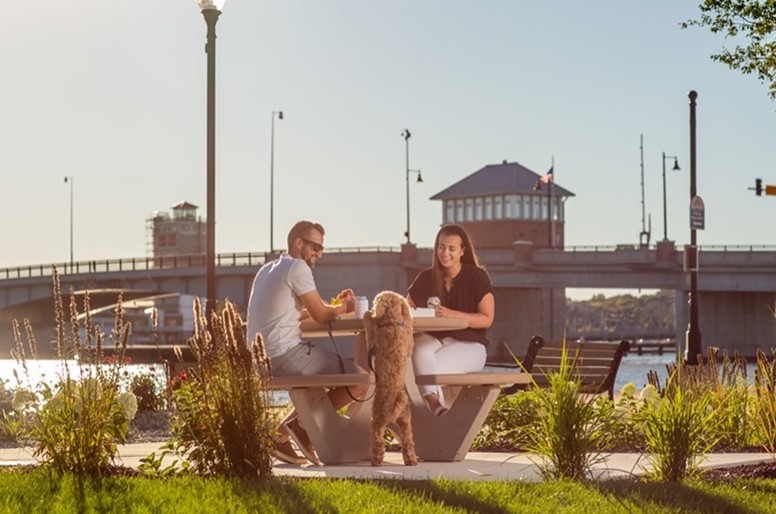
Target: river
633, 368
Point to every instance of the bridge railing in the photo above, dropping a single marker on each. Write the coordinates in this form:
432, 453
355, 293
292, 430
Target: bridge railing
159, 262
259, 258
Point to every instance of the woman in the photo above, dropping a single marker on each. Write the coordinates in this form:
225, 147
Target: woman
465, 291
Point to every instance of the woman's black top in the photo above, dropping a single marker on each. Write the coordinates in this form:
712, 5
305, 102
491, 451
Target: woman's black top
467, 290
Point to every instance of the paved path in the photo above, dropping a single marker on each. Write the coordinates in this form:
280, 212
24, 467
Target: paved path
476, 466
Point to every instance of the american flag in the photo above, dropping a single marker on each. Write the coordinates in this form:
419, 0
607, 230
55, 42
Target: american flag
544, 179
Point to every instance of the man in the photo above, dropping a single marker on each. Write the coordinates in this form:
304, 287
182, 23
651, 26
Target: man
283, 294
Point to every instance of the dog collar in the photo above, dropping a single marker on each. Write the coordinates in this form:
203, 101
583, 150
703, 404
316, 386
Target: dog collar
401, 324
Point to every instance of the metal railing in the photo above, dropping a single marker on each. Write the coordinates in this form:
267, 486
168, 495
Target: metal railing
159, 263
259, 258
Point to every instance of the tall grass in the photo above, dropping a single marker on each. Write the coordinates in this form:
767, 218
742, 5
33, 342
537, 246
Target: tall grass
223, 424
680, 428
569, 430
76, 423
765, 389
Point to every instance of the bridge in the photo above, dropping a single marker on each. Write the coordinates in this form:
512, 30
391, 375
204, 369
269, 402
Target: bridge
737, 284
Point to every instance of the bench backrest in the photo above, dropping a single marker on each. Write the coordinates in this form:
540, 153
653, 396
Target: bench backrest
594, 363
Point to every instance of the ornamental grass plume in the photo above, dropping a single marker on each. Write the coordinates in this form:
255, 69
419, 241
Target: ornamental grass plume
679, 428
76, 423
765, 394
223, 424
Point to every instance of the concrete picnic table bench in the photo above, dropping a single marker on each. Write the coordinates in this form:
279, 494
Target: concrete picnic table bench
340, 439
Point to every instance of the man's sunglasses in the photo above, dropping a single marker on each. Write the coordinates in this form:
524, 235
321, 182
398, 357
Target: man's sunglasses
317, 248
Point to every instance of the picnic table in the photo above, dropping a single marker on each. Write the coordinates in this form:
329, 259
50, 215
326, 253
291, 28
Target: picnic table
346, 438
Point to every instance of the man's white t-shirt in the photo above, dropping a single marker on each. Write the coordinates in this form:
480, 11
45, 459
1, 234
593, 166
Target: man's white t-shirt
274, 307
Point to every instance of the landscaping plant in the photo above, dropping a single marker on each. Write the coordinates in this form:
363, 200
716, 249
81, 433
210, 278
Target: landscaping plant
508, 423
569, 430
765, 394
679, 428
145, 388
76, 423
223, 424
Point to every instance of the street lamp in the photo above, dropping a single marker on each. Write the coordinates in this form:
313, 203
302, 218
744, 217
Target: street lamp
693, 330
406, 135
70, 180
665, 210
211, 10
272, 183
419, 179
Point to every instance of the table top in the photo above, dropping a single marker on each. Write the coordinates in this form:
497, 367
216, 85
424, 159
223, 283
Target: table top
350, 325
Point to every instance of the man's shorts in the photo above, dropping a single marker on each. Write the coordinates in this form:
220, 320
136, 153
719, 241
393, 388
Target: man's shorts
308, 358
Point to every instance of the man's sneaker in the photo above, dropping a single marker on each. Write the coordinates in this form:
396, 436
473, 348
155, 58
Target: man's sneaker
285, 452
302, 440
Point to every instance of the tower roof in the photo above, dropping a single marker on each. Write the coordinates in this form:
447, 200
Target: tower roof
504, 178
184, 205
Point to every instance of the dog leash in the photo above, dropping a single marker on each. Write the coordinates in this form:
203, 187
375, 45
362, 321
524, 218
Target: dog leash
342, 364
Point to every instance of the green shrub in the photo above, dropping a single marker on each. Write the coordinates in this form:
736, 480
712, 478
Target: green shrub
223, 424
680, 428
569, 430
507, 424
76, 423
622, 421
146, 390
765, 400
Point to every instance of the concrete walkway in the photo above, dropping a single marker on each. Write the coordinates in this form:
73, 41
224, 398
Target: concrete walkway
476, 466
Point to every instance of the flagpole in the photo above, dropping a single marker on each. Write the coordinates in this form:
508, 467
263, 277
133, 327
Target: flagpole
549, 205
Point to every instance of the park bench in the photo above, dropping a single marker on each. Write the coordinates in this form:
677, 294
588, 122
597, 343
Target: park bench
595, 363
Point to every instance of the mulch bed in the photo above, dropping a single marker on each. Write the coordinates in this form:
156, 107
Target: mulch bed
759, 470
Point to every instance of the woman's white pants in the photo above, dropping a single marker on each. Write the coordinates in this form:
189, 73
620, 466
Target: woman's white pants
433, 356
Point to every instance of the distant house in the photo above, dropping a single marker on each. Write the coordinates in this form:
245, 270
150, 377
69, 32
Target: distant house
504, 203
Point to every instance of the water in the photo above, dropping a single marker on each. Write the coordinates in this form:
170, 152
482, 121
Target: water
51, 372
633, 368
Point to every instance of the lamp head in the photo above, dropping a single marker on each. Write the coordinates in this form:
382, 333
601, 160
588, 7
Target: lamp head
406, 134
676, 165
207, 5
420, 177
280, 115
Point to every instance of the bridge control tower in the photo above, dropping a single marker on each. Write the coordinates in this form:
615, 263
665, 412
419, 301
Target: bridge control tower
504, 203
182, 233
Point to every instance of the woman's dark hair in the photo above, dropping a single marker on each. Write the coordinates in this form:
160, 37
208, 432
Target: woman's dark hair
469, 257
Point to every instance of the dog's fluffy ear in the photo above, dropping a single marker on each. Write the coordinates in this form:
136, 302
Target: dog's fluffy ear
369, 326
405, 309
378, 306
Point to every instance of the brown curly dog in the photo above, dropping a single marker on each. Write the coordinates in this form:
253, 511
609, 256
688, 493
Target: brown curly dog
389, 333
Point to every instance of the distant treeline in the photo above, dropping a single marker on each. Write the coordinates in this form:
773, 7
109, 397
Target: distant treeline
623, 314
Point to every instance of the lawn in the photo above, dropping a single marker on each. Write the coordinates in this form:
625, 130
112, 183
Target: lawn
36, 490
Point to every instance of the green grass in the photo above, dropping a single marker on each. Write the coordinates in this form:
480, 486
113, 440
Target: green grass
38, 491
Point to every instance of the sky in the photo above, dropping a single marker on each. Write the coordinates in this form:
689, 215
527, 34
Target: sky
113, 95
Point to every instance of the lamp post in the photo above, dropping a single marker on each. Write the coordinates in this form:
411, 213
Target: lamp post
693, 330
665, 209
70, 180
272, 183
406, 135
419, 179
211, 10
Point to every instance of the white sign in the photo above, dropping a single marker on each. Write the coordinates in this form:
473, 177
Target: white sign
697, 213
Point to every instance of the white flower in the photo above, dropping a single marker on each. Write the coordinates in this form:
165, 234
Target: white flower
22, 398
650, 394
629, 390
128, 405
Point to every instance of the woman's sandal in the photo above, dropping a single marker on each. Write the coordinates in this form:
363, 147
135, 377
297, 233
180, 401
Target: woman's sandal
441, 410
